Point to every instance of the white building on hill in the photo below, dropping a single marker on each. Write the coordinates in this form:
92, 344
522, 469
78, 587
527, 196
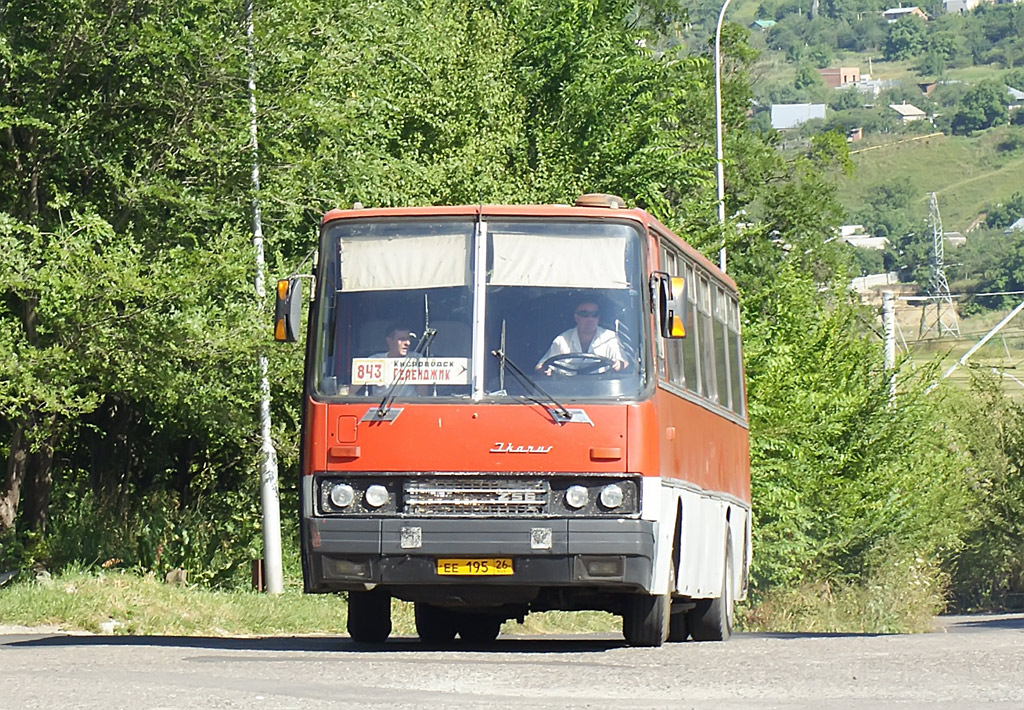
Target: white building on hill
788, 116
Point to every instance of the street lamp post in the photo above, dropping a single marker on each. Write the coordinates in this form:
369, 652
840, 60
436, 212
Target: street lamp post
719, 168
269, 494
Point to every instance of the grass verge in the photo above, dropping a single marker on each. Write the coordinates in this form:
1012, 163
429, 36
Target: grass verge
902, 599
133, 604
899, 597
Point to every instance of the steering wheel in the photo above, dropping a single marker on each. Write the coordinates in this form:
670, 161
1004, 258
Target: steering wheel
588, 364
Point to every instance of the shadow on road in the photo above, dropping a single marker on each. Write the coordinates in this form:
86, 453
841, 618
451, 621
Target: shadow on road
546, 644
807, 635
337, 644
549, 644
956, 624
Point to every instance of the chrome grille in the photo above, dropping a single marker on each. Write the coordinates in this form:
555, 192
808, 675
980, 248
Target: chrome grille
476, 496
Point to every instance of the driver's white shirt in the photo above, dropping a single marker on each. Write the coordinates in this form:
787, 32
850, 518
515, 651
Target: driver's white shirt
605, 343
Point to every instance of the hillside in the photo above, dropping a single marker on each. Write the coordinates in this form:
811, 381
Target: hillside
968, 173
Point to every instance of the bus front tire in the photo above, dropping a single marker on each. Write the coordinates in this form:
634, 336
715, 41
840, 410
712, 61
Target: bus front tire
645, 620
434, 624
369, 616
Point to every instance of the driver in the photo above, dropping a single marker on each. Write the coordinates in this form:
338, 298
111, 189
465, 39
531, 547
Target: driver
587, 337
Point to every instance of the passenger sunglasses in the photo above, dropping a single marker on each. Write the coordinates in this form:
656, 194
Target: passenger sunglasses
588, 314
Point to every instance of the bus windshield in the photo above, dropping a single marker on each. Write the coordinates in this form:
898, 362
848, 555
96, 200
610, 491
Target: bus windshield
563, 302
405, 312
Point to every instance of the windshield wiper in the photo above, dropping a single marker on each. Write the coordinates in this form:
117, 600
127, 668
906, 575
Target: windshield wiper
528, 382
389, 397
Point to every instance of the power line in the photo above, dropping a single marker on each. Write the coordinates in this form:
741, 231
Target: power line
960, 295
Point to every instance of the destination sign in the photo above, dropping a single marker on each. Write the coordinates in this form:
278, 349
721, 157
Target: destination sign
412, 371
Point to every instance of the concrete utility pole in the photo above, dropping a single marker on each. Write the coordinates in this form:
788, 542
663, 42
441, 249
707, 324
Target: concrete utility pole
719, 152
269, 494
889, 328
889, 324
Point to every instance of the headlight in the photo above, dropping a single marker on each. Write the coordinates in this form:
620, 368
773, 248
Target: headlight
376, 496
611, 495
342, 495
576, 496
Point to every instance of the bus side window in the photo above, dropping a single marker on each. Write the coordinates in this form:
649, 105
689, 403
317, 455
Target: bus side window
689, 343
676, 374
708, 382
735, 359
721, 324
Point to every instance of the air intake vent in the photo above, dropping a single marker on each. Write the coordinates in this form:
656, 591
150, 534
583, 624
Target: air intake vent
472, 496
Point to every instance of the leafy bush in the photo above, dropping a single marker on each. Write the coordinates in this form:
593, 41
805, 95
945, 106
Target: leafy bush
213, 539
843, 473
1004, 214
1012, 141
990, 567
899, 594
983, 106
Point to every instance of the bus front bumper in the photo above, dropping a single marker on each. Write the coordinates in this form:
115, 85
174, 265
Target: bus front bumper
357, 553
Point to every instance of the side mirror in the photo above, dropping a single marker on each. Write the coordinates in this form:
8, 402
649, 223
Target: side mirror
673, 305
288, 310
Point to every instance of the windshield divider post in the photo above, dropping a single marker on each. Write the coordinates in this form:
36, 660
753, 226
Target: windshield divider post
479, 310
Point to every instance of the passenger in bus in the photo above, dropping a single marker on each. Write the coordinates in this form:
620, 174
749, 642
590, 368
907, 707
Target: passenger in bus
587, 338
398, 339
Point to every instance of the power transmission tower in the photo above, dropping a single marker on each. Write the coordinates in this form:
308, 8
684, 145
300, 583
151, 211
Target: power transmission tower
938, 316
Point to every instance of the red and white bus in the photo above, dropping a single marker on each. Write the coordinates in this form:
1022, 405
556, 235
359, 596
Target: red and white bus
456, 454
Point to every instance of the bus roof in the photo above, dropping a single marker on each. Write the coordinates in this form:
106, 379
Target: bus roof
635, 214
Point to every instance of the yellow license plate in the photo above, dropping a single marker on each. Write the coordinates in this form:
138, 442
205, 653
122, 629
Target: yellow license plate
476, 567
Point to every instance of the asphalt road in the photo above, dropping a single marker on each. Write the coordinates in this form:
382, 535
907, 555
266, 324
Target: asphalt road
971, 662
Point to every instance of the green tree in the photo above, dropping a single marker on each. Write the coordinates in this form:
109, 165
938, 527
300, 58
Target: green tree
983, 106
1004, 214
993, 262
933, 64
123, 169
807, 78
846, 99
906, 39
888, 212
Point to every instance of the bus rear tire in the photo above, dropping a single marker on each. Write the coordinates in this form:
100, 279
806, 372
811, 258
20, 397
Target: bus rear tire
678, 629
369, 616
645, 620
711, 619
434, 624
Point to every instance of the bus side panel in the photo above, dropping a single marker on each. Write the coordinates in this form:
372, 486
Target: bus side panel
701, 447
697, 476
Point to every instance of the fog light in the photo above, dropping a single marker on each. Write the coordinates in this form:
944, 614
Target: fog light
611, 496
376, 496
342, 495
576, 496
604, 566
334, 567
